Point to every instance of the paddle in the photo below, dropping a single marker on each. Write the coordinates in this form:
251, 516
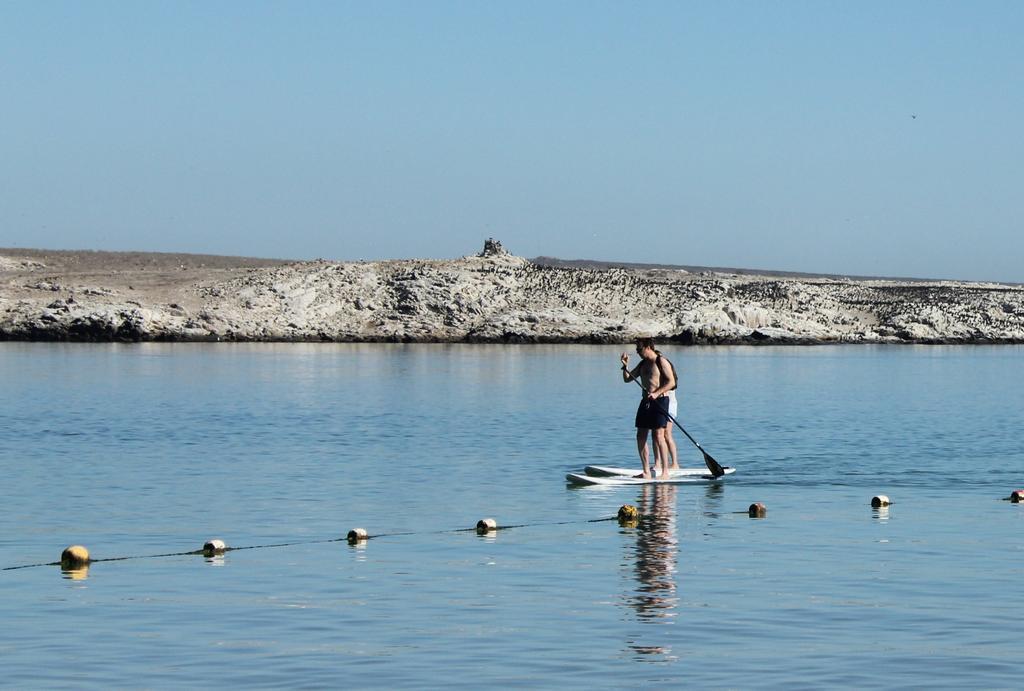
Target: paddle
714, 466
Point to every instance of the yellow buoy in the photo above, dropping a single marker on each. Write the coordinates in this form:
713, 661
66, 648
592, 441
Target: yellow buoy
879, 501
357, 535
757, 510
628, 514
74, 556
486, 525
212, 547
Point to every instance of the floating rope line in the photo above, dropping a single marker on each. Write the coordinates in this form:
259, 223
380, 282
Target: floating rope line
216, 547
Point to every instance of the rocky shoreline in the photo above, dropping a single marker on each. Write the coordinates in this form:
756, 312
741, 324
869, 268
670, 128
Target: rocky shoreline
489, 298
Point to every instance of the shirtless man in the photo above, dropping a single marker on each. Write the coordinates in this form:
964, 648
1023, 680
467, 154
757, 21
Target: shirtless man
652, 414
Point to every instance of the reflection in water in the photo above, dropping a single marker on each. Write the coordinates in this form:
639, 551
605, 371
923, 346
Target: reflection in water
78, 573
657, 546
359, 550
712, 504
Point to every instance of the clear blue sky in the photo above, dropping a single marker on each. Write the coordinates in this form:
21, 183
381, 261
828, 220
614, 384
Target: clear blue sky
750, 134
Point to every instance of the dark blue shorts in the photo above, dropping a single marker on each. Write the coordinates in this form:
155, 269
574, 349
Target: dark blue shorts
652, 414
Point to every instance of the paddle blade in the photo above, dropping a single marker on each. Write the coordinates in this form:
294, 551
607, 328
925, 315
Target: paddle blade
714, 466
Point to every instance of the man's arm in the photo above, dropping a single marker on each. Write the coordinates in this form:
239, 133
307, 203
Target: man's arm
667, 379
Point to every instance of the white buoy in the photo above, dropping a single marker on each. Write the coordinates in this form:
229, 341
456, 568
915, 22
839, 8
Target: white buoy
357, 535
879, 501
74, 556
757, 510
486, 525
1017, 496
212, 547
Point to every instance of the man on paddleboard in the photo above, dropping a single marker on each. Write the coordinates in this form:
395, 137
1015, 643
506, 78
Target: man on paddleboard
652, 414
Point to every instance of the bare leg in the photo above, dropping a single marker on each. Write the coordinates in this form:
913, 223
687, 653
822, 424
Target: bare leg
662, 446
671, 443
641, 447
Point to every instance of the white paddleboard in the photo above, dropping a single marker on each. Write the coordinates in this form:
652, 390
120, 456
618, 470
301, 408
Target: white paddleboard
608, 471
683, 475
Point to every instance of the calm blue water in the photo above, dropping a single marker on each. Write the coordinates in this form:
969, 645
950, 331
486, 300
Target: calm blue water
136, 450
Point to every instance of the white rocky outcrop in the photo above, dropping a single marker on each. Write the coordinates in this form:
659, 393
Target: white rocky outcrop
19, 264
491, 297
